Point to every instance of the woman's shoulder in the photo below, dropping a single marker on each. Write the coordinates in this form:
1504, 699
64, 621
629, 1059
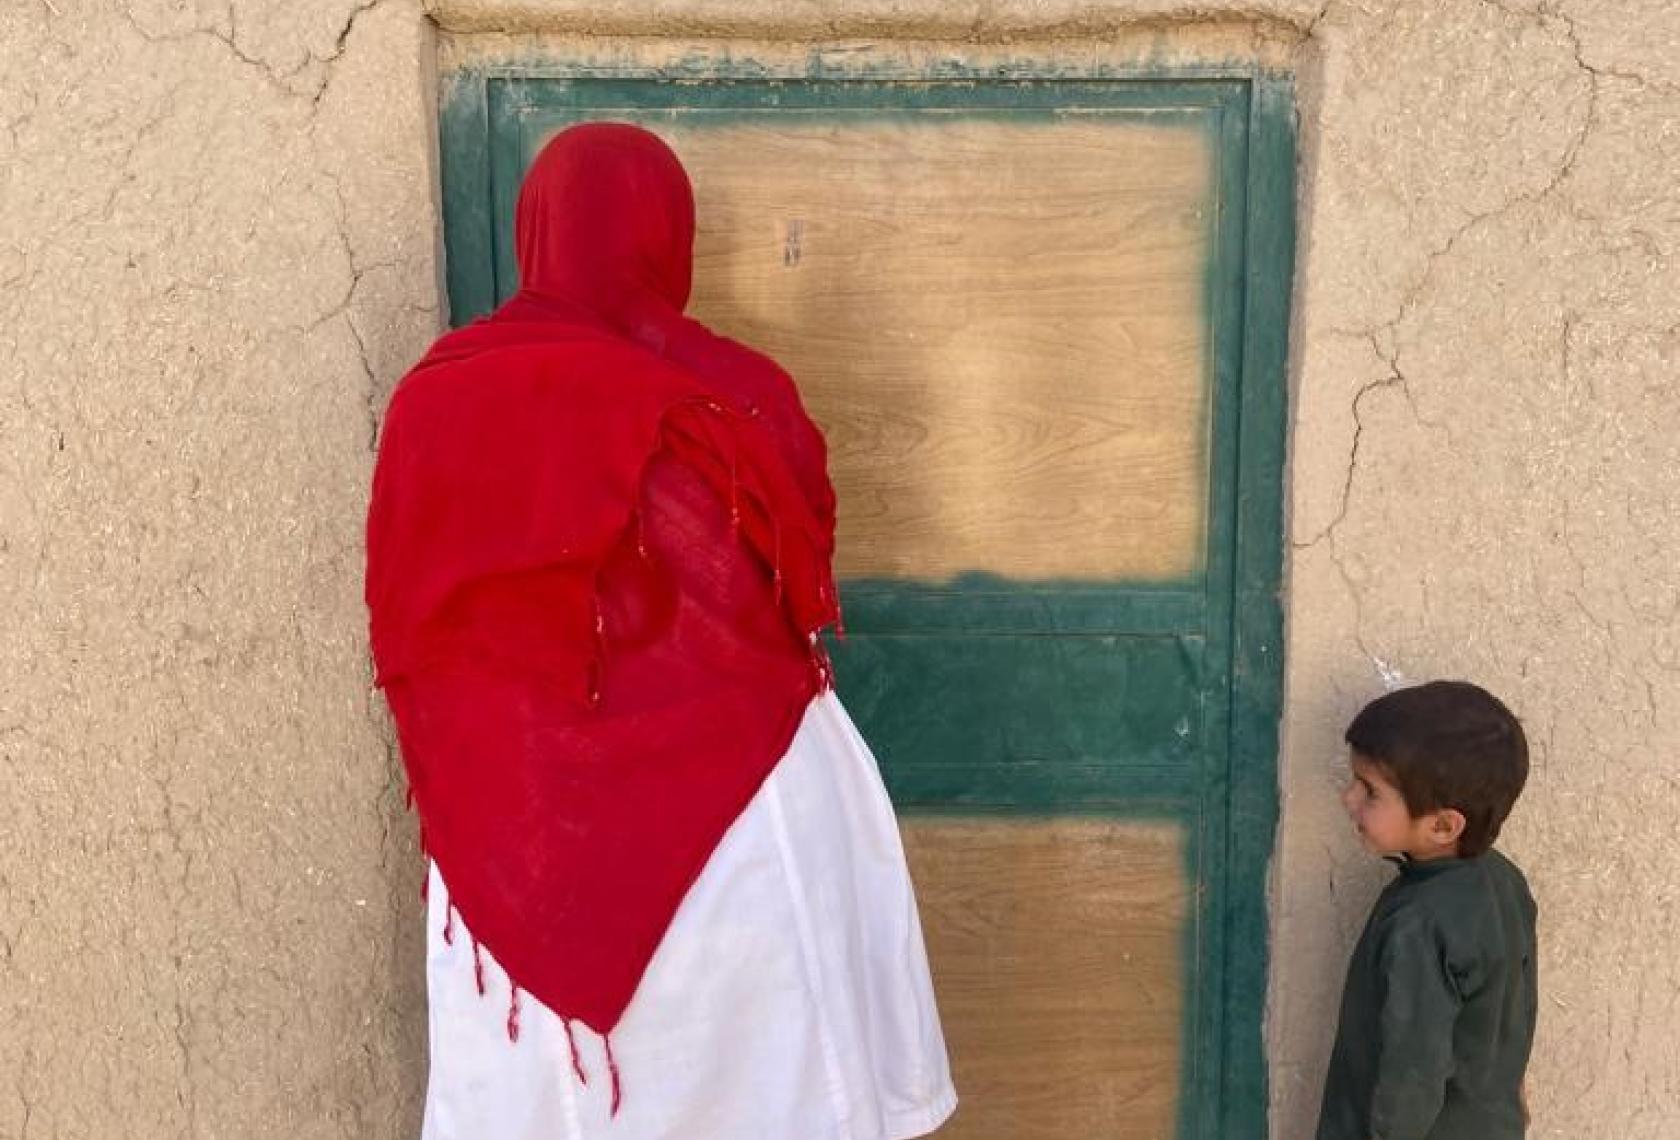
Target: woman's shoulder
480, 357
704, 349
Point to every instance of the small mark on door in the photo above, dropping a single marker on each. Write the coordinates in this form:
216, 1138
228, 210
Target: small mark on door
793, 238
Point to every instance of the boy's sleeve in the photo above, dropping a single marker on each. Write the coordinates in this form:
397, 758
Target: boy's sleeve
1415, 1053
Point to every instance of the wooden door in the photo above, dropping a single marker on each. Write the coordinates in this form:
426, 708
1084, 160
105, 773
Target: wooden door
1041, 323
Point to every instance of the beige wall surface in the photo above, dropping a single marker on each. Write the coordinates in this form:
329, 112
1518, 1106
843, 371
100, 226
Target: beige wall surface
218, 250
1485, 478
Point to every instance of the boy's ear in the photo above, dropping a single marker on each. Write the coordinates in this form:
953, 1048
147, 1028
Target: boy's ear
1447, 826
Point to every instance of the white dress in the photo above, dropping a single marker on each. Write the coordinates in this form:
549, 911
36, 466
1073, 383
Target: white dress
789, 1000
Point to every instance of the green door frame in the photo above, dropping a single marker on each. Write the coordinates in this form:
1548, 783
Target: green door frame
1229, 617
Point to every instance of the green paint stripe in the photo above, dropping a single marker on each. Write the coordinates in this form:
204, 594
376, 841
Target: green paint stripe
468, 222
1044, 788
1204, 1011
985, 604
507, 171
1017, 97
1257, 629
715, 63
938, 708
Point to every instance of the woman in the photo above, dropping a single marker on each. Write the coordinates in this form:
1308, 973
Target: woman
666, 895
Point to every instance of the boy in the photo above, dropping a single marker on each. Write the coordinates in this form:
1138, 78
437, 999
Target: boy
1439, 1005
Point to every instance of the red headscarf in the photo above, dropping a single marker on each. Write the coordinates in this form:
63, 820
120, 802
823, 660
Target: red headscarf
598, 555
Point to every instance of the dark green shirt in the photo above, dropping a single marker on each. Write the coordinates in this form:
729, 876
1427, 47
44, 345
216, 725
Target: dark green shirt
1438, 1010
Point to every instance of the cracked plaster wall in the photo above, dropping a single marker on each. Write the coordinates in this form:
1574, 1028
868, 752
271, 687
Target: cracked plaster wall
217, 251
1485, 474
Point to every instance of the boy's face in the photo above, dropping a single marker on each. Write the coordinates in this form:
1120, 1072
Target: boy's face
1385, 824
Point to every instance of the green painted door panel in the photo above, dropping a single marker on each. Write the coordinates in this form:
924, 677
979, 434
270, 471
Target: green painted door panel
1029, 721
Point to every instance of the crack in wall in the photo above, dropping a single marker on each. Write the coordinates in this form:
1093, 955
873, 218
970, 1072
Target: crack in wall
1357, 598
1352, 462
371, 391
281, 81
1566, 166
1414, 297
371, 395
339, 47
1395, 379
177, 860
1310, 32
186, 1094
124, 174
213, 33
1556, 11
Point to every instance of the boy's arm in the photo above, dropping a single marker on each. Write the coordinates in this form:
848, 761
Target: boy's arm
1415, 1055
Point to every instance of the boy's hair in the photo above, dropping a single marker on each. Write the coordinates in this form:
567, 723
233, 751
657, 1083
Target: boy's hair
1448, 744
